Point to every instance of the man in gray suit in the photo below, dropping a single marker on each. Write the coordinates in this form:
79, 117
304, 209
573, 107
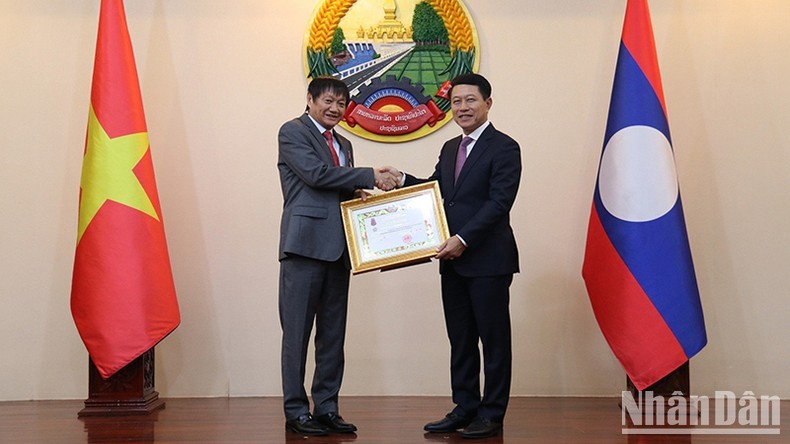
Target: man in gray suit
317, 173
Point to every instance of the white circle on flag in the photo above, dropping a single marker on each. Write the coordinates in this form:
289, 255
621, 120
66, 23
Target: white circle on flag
638, 181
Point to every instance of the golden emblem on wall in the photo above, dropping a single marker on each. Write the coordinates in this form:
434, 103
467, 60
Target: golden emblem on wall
397, 58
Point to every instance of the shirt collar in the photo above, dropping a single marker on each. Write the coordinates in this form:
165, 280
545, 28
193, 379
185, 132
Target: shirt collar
479, 131
320, 127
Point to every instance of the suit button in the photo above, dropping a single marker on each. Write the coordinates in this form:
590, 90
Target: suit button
451, 204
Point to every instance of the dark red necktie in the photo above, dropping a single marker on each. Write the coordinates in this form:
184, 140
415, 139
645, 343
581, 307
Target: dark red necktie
328, 135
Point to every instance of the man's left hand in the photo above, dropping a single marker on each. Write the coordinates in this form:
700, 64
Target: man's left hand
450, 249
362, 194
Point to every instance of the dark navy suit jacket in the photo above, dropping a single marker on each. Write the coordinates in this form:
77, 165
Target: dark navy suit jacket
478, 205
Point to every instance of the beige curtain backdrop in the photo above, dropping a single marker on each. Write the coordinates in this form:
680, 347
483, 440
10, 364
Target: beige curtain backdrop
220, 77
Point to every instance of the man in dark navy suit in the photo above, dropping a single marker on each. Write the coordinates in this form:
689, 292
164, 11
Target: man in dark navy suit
479, 174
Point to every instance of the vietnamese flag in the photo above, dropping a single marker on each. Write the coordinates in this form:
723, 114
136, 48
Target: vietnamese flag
122, 297
637, 264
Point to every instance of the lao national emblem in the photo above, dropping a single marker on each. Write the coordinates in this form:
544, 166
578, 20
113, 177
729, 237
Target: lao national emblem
397, 58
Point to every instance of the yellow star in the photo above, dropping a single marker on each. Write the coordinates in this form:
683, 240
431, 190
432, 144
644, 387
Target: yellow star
107, 173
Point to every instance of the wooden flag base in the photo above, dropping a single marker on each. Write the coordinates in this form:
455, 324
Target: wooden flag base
130, 391
677, 381
676, 384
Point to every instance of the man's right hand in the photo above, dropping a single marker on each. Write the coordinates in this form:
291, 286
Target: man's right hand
387, 177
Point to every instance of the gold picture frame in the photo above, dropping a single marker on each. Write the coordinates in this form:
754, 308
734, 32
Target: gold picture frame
396, 228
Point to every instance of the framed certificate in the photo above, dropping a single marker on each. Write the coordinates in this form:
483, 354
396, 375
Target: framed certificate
396, 228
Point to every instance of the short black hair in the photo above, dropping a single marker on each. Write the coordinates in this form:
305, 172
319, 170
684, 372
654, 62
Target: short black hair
473, 79
332, 85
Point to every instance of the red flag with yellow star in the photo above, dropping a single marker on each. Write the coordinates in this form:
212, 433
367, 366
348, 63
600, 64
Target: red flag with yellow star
122, 297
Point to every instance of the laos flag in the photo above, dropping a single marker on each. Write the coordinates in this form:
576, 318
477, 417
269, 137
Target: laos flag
637, 265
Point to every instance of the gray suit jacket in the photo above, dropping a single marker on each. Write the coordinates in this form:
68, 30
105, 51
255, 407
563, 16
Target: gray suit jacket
313, 188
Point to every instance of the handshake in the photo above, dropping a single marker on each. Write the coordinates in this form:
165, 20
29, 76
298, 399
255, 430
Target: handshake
387, 178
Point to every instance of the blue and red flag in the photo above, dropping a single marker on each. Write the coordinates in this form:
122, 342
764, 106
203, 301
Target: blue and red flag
637, 265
